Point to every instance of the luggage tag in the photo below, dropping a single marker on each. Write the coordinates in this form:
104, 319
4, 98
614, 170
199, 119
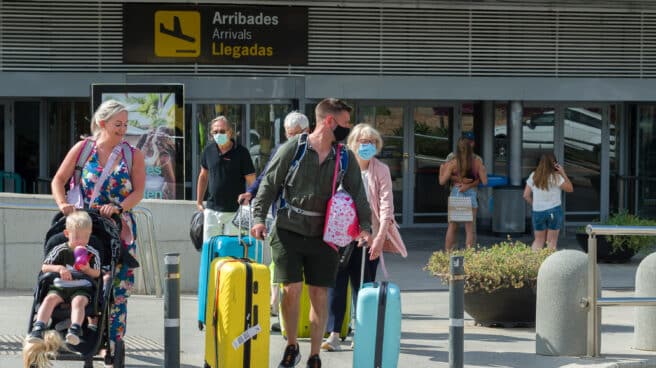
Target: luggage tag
247, 335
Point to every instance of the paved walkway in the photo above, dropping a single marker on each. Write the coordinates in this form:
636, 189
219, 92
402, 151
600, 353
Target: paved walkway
424, 340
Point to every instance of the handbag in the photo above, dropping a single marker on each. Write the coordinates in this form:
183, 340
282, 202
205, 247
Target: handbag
460, 209
341, 225
196, 229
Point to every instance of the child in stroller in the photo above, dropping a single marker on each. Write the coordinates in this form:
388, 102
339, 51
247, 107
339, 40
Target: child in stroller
65, 291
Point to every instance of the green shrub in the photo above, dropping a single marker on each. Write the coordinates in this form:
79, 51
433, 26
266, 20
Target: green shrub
505, 264
635, 242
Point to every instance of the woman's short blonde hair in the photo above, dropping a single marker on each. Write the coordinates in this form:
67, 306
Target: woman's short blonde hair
364, 131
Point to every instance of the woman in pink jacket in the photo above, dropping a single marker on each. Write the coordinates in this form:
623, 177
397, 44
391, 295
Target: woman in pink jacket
366, 142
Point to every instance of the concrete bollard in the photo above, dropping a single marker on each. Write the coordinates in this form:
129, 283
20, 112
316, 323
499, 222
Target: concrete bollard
645, 320
561, 318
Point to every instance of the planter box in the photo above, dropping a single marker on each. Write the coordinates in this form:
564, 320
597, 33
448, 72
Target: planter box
605, 252
503, 308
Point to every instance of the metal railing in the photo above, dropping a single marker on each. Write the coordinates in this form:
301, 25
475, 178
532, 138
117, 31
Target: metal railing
593, 301
148, 256
147, 250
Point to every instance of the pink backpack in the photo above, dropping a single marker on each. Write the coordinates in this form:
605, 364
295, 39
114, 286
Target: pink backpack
342, 225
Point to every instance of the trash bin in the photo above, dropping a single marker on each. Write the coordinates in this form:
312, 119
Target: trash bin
486, 202
509, 209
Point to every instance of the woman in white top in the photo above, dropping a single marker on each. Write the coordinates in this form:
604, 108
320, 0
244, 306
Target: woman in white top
543, 190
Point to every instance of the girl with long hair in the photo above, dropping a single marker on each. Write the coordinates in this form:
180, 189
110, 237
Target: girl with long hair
465, 173
543, 191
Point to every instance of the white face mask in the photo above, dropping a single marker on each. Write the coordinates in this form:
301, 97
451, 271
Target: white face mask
220, 138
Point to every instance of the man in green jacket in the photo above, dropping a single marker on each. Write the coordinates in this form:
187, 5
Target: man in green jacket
298, 249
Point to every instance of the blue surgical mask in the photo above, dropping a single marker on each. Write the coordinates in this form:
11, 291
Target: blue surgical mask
366, 151
220, 138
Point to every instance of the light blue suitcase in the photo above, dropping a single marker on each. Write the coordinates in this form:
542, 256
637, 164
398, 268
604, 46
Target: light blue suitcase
377, 326
221, 246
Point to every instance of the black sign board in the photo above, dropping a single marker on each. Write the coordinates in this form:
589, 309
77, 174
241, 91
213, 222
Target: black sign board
210, 34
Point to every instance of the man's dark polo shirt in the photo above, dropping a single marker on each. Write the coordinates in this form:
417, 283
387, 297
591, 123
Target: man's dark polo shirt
226, 175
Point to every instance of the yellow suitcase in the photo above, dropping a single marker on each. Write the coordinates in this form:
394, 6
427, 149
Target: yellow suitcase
304, 315
237, 315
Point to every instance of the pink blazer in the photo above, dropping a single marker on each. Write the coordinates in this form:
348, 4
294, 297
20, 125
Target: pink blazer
382, 207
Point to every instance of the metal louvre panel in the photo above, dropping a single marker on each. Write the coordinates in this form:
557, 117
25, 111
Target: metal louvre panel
433, 38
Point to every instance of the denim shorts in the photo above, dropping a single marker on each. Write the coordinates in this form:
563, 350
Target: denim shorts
549, 219
471, 193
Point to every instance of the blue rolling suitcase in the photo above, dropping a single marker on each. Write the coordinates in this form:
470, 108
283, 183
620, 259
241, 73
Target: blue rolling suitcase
222, 246
377, 326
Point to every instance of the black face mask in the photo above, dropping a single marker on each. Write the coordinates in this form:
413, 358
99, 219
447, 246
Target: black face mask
341, 133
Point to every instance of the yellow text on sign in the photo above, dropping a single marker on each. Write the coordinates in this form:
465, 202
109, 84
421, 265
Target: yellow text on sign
177, 33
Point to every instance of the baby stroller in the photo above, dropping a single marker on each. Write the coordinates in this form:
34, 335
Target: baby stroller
106, 239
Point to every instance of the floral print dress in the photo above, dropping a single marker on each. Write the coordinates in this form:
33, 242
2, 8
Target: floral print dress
117, 186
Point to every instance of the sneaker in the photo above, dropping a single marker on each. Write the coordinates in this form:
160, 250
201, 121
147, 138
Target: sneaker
291, 357
36, 335
73, 335
314, 362
275, 326
332, 343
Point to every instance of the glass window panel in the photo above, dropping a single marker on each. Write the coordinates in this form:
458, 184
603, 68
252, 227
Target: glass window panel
2, 136
432, 146
537, 136
646, 158
613, 153
267, 131
188, 155
81, 120
26, 152
500, 140
582, 143
388, 120
59, 130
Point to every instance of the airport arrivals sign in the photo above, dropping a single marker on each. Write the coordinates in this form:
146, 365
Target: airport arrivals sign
209, 34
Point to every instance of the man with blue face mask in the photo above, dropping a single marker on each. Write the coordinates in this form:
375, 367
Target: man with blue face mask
225, 170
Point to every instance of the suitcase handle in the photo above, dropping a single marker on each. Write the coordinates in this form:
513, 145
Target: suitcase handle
243, 243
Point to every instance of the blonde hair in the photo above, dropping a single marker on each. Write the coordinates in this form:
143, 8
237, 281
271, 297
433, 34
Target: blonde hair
38, 354
78, 220
104, 112
366, 131
464, 157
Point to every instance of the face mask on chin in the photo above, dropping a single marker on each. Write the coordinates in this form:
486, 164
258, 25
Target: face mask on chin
221, 139
341, 133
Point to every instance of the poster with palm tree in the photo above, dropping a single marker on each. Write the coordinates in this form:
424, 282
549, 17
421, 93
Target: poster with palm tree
152, 126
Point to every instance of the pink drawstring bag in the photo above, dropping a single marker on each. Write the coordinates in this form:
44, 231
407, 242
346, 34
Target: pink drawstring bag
342, 225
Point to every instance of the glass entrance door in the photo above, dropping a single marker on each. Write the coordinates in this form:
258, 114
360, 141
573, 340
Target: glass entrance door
432, 125
388, 120
582, 149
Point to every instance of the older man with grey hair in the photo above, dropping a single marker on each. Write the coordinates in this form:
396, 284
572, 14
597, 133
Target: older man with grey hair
295, 123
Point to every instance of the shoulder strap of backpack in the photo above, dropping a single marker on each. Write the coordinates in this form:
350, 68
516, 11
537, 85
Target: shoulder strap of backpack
301, 148
343, 162
82, 158
127, 155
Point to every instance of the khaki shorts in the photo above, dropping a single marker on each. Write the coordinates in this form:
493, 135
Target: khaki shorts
67, 294
297, 256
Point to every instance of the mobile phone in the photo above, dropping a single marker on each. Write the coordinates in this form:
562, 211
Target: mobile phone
555, 163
